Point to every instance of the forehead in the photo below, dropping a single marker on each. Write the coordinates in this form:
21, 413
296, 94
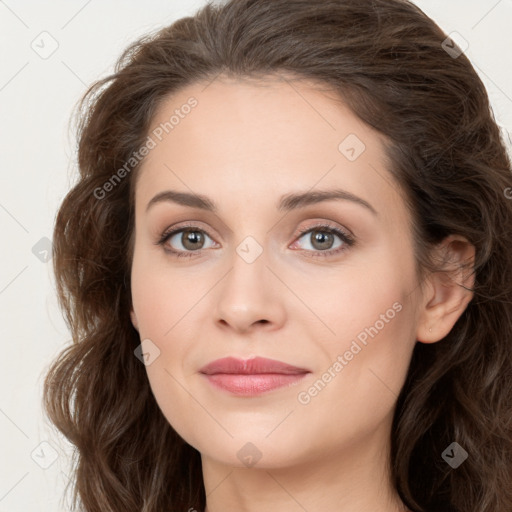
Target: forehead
257, 137
268, 112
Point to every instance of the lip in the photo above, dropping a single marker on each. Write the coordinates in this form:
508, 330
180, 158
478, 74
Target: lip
256, 365
251, 376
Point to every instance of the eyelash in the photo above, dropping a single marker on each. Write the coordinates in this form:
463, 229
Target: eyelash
347, 240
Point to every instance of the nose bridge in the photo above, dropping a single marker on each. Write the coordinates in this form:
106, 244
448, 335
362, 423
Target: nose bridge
247, 294
248, 274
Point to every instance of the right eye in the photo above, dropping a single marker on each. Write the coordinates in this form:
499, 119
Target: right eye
190, 238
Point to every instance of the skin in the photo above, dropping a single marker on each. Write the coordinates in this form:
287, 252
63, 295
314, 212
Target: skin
244, 145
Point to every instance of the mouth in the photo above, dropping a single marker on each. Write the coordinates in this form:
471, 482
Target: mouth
252, 376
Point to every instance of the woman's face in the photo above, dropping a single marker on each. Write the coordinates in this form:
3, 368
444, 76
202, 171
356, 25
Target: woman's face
342, 306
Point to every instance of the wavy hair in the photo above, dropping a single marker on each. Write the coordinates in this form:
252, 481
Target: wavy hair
386, 60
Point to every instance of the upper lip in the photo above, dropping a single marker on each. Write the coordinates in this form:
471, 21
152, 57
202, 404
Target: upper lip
256, 365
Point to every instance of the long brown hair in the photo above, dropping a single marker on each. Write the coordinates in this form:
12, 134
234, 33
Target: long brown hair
387, 61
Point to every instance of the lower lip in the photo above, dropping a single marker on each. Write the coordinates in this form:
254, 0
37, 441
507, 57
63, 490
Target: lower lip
255, 384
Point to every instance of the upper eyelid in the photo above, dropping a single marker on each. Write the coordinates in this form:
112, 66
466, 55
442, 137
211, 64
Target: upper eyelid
181, 227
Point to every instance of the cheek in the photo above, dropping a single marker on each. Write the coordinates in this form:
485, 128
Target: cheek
158, 298
357, 297
370, 314
159, 306
370, 330
366, 369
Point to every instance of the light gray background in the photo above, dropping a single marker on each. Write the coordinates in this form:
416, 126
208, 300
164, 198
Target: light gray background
37, 166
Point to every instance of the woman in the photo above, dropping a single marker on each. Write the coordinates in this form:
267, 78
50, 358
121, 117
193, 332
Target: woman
286, 269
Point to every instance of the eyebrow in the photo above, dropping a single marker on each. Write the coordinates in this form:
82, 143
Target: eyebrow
286, 203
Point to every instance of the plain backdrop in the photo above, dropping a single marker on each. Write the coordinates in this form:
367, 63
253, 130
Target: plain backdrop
50, 53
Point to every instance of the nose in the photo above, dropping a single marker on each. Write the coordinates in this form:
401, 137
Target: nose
250, 296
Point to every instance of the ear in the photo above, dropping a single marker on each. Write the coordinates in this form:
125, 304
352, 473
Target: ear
133, 318
447, 292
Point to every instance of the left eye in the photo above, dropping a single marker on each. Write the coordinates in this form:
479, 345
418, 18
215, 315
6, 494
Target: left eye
322, 240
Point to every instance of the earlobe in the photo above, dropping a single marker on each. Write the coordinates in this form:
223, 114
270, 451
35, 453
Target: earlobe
449, 290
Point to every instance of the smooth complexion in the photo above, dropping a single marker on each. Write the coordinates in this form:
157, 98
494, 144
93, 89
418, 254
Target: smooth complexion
246, 146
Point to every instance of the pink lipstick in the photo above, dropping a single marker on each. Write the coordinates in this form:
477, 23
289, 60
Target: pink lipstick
251, 376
